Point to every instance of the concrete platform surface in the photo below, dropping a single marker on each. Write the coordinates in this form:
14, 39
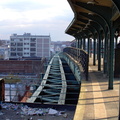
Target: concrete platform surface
96, 102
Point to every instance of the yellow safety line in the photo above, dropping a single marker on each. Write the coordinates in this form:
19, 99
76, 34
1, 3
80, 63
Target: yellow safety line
80, 108
99, 106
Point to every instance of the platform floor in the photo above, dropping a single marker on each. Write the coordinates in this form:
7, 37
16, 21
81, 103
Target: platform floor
96, 102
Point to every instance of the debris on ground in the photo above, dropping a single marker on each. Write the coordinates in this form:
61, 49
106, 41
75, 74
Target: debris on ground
29, 113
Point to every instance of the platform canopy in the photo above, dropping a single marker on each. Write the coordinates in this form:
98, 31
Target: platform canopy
91, 15
98, 20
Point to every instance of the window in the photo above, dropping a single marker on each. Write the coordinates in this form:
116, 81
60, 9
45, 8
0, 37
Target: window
13, 49
26, 43
13, 44
32, 49
33, 39
19, 44
19, 49
26, 48
26, 53
32, 44
12, 39
26, 38
13, 54
19, 54
20, 39
33, 54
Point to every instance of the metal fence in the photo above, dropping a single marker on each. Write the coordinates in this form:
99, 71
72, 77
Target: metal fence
79, 55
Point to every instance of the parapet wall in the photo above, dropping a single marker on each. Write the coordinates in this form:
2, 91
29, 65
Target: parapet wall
21, 67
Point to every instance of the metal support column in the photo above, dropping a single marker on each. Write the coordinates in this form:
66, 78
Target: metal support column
80, 43
84, 46
105, 53
102, 48
94, 52
99, 52
88, 48
111, 56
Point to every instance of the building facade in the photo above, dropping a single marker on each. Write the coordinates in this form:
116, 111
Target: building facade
4, 49
28, 45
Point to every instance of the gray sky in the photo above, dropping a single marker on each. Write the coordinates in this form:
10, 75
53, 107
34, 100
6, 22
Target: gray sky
38, 17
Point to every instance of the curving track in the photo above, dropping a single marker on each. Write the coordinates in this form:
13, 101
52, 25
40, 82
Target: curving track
55, 88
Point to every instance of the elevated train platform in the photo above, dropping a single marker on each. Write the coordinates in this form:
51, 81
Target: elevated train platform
96, 102
96, 28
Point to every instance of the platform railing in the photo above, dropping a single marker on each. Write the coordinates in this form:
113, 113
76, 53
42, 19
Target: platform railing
79, 55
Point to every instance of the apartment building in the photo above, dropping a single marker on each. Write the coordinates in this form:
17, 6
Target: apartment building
28, 45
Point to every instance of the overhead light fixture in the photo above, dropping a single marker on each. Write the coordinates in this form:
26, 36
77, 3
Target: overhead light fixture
92, 2
90, 13
90, 20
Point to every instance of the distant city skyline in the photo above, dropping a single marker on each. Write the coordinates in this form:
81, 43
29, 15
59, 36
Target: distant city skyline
38, 17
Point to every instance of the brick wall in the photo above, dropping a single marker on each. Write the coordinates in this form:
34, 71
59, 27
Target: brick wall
20, 67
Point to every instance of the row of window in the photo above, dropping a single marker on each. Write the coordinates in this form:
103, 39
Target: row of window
31, 39
16, 53
31, 49
21, 49
21, 44
21, 39
21, 54
27, 43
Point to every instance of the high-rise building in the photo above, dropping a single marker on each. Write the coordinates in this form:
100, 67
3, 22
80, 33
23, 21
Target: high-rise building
28, 45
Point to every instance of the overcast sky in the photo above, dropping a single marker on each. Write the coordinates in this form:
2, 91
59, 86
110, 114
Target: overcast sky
38, 17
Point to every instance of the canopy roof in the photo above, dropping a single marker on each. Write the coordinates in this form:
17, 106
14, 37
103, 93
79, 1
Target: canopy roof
91, 15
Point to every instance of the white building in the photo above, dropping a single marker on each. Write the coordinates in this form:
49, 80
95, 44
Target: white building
28, 45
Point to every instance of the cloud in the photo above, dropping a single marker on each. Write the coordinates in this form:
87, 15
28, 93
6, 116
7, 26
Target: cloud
36, 17
23, 5
34, 9
55, 29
